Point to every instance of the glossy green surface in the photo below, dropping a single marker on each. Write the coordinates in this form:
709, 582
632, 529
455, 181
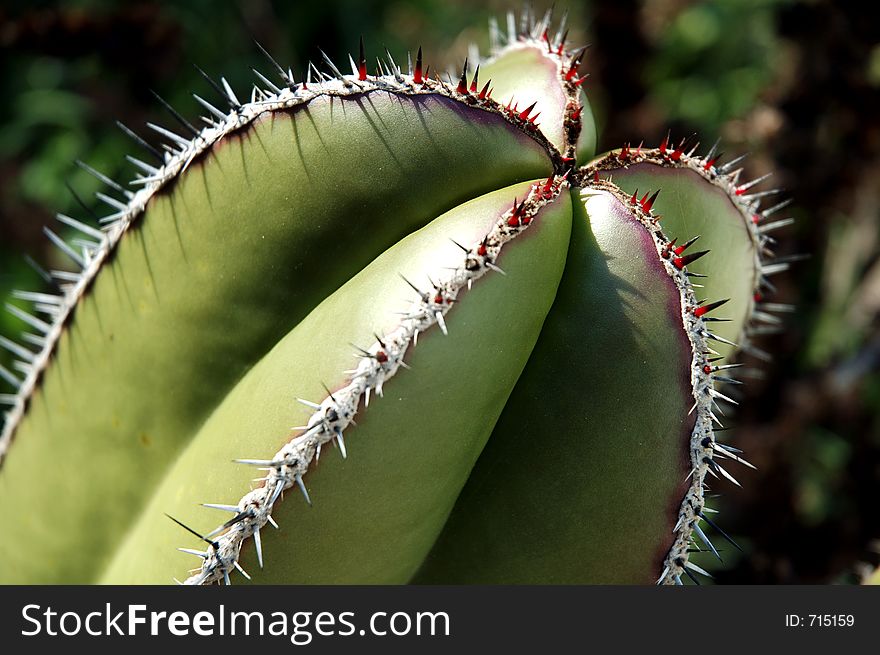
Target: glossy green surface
375, 514
691, 206
583, 475
222, 266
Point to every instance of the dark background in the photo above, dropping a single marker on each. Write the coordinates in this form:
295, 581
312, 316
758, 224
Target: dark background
796, 84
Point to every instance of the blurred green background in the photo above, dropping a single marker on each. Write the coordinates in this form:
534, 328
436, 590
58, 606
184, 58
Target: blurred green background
796, 84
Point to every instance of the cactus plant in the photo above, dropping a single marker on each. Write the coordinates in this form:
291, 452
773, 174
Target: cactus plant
513, 345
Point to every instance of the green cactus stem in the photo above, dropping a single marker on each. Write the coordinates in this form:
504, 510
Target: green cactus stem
505, 347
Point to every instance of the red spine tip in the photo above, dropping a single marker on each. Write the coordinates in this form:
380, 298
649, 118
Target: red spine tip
647, 205
485, 90
524, 114
417, 75
362, 63
664, 144
681, 262
702, 310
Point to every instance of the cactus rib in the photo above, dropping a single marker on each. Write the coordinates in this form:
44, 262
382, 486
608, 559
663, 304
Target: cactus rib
725, 177
703, 445
91, 256
377, 364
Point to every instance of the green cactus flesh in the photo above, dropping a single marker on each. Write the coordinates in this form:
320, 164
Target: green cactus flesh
500, 352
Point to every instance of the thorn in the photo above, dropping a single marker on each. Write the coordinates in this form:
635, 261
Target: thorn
705, 309
5, 374
681, 262
33, 321
720, 531
646, 206
719, 339
302, 488
574, 63
308, 403
742, 188
705, 539
561, 47
473, 87
466, 250
729, 165
712, 150
213, 544
393, 67
64, 247
258, 546
226, 93
176, 138
341, 443
422, 295
48, 279
226, 508
462, 82
193, 551
680, 249
333, 69
103, 178
710, 162
417, 77
362, 62
185, 124
691, 565
143, 144
688, 574
719, 469
665, 143
211, 108
329, 393
524, 114
285, 76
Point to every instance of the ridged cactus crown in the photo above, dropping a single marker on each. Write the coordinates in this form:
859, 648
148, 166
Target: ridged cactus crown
540, 325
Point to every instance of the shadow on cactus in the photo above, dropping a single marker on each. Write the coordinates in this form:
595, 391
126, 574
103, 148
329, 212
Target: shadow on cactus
418, 302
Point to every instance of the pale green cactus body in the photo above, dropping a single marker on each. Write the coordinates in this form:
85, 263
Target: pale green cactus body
307, 238
402, 482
